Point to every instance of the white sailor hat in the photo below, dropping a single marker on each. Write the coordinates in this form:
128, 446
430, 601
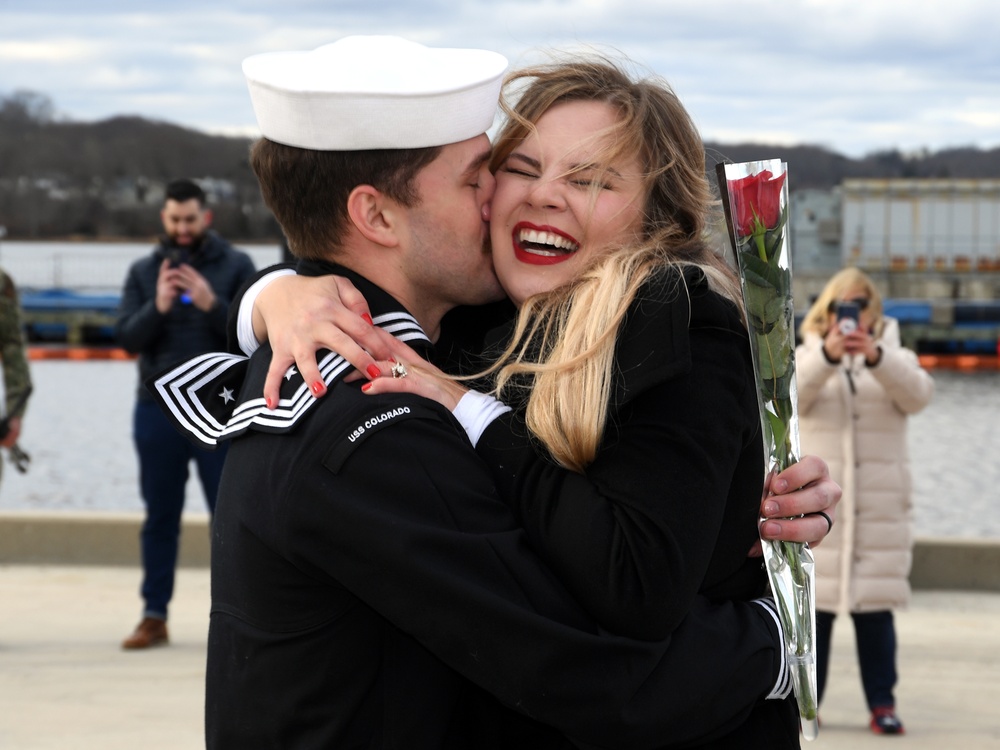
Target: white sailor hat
374, 92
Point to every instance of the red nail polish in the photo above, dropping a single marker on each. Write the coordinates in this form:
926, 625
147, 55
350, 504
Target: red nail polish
319, 387
367, 318
269, 402
373, 371
366, 386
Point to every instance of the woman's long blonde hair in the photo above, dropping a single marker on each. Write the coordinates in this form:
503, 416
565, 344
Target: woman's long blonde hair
817, 319
564, 341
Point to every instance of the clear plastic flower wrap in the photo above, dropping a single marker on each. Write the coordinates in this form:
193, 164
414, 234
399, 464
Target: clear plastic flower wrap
755, 199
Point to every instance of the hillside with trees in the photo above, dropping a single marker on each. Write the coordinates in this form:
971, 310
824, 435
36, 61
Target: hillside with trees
105, 179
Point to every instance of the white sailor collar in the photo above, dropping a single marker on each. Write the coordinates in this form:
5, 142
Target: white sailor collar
218, 396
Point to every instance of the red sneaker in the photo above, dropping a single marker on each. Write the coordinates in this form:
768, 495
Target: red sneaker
885, 721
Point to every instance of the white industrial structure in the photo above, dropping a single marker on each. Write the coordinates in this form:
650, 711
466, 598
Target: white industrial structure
949, 225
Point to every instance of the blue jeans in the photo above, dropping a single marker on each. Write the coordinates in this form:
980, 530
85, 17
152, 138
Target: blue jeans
164, 455
875, 633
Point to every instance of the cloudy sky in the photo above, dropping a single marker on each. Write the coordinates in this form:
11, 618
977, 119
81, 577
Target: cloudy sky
855, 76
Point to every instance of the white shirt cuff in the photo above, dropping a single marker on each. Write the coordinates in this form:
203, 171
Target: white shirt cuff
244, 321
476, 411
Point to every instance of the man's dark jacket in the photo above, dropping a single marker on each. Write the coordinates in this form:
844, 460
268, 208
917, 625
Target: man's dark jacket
162, 339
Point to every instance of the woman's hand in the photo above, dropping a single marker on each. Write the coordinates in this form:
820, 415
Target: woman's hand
833, 343
860, 341
836, 344
302, 314
408, 372
793, 502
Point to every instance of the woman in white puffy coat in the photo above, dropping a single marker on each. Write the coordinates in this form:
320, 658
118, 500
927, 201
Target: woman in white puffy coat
856, 389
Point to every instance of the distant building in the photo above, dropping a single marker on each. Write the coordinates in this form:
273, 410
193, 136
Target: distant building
814, 220
943, 225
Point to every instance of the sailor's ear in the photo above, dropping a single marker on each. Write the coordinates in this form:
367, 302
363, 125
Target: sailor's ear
377, 217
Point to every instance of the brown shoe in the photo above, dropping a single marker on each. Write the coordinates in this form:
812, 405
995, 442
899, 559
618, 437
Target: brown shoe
150, 632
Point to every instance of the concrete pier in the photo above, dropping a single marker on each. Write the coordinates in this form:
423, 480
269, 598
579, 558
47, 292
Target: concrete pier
69, 594
66, 684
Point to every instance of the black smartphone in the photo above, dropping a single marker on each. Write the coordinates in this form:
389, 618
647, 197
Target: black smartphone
848, 315
177, 256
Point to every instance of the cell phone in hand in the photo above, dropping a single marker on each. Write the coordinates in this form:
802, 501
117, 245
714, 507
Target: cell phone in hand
178, 255
848, 315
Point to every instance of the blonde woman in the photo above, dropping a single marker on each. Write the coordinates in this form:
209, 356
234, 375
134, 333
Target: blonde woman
857, 385
628, 364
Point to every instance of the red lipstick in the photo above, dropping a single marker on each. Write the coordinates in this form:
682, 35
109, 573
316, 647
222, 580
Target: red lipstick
542, 245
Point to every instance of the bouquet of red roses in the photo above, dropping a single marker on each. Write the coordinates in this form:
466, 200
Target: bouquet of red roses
755, 198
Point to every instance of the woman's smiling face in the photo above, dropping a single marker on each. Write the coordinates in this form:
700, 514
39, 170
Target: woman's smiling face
559, 202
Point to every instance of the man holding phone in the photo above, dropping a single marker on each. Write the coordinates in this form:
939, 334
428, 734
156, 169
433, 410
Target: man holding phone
174, 306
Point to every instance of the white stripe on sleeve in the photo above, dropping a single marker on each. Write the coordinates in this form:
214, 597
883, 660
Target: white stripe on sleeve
783, 685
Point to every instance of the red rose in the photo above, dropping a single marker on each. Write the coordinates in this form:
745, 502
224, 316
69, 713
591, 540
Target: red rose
758, 194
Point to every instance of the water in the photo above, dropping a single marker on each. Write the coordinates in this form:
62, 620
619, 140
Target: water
953, 453
78, 428
78, 432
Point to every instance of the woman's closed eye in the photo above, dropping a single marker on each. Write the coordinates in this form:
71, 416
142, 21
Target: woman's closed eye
519, 172
591, 182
